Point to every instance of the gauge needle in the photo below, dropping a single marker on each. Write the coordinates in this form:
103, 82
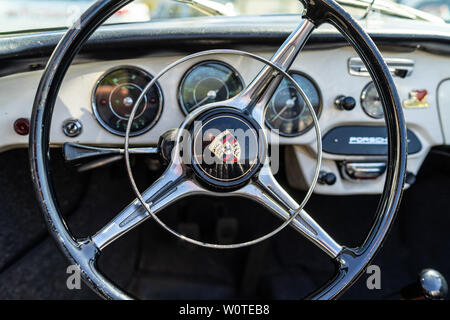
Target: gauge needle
212, 94
289, 104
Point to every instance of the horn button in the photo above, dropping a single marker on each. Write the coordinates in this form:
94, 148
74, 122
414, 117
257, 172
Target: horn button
226, 149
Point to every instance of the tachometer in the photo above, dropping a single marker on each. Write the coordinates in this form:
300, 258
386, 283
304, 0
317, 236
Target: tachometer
287, 110
208, 82
115, 96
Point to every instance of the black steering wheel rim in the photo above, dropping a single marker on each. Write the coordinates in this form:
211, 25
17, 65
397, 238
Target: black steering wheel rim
350, 263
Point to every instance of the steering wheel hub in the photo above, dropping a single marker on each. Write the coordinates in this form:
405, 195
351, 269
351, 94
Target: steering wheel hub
227, 148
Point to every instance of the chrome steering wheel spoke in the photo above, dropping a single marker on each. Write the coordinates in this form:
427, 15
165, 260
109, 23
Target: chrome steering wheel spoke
170, 187
267, 191
258, 93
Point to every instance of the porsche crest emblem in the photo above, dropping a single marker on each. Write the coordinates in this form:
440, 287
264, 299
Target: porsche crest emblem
417, 99
226, 147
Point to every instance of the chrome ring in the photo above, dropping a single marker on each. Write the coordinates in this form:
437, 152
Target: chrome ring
202, 109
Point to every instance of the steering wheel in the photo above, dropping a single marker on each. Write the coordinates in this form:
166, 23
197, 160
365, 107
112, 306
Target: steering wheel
253, 180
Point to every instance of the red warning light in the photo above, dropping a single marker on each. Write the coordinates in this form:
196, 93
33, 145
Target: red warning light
22, 126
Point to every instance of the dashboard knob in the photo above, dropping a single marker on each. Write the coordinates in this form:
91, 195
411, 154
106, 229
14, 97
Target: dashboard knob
345, 103
328, 178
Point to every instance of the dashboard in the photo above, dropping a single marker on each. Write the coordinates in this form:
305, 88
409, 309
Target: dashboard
100, 94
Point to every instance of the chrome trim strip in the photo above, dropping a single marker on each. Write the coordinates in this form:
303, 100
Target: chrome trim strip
397, 67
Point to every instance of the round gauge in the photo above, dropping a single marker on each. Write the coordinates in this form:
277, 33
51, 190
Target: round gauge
208, 82
287, 111
115, 96
370, 101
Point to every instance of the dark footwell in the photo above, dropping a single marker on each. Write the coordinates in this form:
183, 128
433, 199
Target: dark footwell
150, 263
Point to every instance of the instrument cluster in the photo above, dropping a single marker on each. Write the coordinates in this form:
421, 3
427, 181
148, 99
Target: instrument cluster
117, 91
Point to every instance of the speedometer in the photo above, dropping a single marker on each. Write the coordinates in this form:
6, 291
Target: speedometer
115, 96
208, 82
287, 111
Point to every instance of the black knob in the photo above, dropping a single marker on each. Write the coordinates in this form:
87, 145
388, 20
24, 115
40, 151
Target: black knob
345, 103
410, 178
328, 178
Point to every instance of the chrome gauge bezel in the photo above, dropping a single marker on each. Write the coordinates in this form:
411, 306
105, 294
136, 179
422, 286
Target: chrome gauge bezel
192, 68
105, 125
318, 113
362, 100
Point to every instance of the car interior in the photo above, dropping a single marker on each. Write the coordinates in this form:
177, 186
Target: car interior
225, 150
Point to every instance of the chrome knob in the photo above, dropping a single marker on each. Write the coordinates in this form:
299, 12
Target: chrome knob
72, 128
128, 101
433, 284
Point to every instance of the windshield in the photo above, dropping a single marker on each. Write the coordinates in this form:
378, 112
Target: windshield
26, 15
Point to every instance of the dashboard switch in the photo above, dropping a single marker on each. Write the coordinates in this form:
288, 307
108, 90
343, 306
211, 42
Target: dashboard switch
328, 178
345, 103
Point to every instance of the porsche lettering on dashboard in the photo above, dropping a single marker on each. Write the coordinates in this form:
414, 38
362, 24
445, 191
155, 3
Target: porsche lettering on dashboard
368, 140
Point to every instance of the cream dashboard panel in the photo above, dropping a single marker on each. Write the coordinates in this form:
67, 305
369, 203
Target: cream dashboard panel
328, 69
75, 100
429, 71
